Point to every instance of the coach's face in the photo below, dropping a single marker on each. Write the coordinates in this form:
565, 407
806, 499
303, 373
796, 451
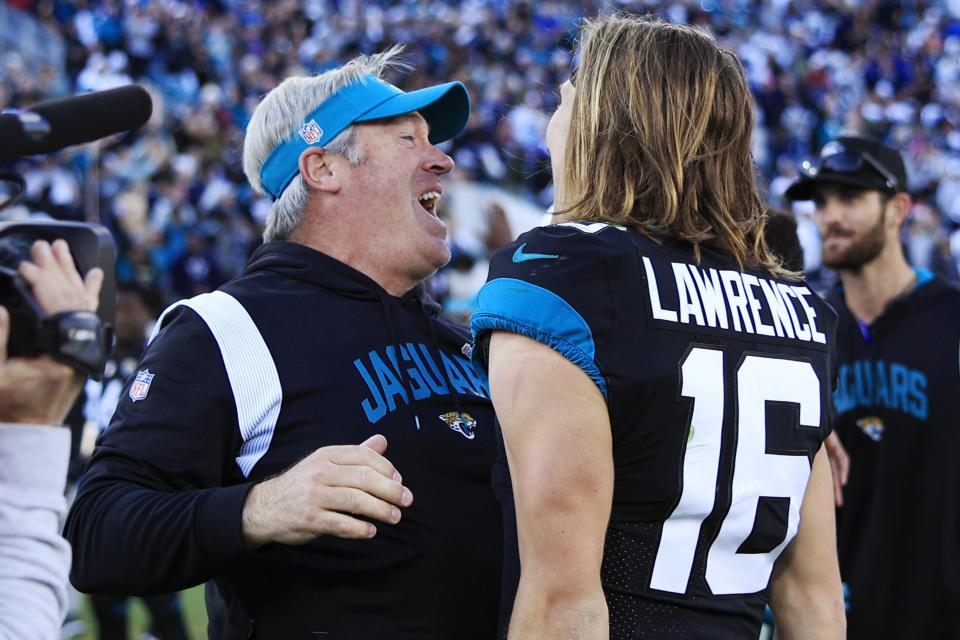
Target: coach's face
394, 196
855, 225
558, 130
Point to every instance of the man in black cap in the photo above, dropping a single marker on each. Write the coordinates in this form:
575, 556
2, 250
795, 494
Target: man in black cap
896, 399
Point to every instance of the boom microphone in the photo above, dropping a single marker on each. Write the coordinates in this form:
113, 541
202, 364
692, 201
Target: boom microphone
55, 124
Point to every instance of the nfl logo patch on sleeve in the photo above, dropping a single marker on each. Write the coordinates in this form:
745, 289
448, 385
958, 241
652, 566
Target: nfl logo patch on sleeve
141, 385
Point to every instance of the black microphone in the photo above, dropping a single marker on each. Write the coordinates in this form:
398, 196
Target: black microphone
55, 124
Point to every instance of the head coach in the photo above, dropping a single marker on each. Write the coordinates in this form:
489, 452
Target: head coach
250, 448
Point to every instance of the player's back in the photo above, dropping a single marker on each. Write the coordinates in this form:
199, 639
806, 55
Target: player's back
717, 383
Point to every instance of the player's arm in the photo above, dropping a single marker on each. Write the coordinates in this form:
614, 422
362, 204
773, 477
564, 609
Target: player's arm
557, 436
805, 591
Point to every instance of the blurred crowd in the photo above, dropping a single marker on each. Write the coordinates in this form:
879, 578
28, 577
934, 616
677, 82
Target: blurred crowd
185, 219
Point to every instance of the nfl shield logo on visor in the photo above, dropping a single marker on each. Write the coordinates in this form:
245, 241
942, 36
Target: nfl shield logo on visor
311, 132
141, 385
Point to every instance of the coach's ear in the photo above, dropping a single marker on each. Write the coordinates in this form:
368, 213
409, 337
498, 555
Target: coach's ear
320, 171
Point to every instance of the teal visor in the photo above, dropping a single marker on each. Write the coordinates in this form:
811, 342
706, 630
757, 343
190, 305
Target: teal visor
445, 107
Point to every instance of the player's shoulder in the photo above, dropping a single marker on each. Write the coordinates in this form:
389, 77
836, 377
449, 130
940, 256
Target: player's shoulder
557, 271
558, 247
553, 285
581, 236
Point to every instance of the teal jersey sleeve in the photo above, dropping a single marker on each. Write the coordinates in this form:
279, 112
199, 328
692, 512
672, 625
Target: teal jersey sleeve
553, 286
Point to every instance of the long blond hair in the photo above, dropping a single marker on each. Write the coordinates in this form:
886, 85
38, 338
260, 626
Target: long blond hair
660, 139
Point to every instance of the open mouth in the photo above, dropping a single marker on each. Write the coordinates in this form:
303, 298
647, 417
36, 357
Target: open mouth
430, 200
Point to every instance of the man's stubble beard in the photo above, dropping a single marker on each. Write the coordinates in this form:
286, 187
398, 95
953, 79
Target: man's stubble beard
861, 251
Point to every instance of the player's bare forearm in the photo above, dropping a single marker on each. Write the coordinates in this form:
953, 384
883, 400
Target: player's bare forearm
561, 463
809, 614
581, 616
805, 592
560, 594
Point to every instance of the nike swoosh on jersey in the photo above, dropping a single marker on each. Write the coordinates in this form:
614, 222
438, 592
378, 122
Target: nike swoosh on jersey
520, 256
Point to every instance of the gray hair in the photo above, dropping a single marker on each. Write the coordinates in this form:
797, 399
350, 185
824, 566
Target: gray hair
280, 114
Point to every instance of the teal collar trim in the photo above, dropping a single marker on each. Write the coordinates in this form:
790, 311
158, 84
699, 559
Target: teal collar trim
923, 277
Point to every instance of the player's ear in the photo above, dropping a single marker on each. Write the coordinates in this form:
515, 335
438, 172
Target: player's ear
318, 171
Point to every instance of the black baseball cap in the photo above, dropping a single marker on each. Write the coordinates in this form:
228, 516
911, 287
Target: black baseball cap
855, 162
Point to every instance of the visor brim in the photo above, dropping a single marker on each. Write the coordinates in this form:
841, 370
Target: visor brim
445, 107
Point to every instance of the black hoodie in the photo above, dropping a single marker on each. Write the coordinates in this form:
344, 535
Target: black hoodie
299, 352
898, 415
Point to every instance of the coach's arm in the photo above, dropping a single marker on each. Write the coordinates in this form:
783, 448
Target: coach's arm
556, 430
152, 513
805, 592
163, 505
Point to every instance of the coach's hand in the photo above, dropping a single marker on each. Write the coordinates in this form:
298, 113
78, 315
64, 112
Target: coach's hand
322, 493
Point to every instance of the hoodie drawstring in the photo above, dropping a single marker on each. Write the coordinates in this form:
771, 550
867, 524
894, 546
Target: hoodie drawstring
414, 405
443, 368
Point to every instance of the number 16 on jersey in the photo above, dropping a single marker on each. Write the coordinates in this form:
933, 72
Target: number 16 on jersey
757, 474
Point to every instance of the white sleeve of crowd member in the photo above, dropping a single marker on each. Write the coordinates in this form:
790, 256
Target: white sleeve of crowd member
34, 557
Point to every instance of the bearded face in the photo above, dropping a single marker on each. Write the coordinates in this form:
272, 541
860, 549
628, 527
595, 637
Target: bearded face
852, 225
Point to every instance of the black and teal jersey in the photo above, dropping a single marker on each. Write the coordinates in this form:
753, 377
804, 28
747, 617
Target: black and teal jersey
898, 416
718, 385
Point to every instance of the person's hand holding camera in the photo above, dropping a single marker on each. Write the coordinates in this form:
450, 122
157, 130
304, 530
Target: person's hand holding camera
41, 390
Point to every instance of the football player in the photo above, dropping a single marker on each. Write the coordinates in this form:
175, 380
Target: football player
661, 382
